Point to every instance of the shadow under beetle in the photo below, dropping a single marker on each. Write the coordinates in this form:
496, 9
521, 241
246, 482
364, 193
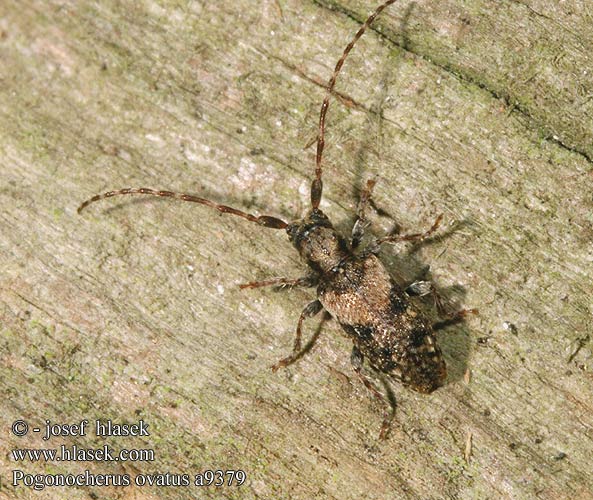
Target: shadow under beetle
352, 286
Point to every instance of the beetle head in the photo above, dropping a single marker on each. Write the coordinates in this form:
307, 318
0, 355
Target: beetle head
317, 241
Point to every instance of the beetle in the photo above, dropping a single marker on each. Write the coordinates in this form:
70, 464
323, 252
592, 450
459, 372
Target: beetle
353, 285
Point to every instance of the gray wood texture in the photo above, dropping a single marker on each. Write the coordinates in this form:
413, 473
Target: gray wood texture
480, 110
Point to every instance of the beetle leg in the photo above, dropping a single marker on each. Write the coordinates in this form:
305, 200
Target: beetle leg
308, 312
361, 223
306, 281
357, 358
411, 237
451, 319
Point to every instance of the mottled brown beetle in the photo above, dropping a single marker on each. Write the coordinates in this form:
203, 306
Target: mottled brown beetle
353, 287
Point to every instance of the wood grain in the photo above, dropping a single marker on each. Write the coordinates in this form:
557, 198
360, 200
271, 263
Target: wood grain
480, 110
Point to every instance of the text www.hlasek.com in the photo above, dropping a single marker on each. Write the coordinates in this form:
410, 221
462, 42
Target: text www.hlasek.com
77, 454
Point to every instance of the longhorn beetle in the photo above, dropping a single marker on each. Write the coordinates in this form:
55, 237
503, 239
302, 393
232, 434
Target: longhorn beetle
352, 286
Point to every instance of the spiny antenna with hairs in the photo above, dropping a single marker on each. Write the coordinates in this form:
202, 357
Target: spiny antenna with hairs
262, 220
317, 184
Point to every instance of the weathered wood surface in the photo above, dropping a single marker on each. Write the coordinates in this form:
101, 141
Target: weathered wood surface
478, 109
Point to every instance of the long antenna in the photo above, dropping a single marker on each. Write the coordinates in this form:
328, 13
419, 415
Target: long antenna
262, 220
317, 184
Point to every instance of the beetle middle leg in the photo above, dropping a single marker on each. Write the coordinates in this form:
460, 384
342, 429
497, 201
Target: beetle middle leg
357, 358
308, 312
421, 288
374, 246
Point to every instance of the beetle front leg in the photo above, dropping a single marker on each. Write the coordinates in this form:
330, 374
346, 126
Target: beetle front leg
308, 312
306, 281
361, 223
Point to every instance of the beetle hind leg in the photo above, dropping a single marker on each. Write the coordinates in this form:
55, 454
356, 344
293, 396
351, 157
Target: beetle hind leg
452, 319
357, 358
